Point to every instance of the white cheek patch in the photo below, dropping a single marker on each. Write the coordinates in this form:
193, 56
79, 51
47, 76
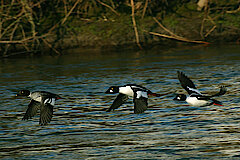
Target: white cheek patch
178, 98
111, 91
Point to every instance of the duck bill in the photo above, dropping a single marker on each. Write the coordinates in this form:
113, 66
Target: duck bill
109, 92
175, 99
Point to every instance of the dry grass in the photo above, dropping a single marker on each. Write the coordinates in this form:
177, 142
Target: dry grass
28, 25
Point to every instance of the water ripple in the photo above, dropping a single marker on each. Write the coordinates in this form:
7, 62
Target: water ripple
81, 129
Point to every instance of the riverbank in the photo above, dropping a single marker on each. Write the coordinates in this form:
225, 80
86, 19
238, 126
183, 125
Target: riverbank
116, 28
186, 25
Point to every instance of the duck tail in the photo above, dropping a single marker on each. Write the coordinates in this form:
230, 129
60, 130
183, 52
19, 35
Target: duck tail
157, 95
58, 97
154, 94
217, 104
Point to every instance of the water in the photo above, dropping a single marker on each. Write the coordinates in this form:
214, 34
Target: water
81, 129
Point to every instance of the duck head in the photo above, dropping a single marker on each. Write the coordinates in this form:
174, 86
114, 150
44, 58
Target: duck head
180, 97
23, 93
112, 90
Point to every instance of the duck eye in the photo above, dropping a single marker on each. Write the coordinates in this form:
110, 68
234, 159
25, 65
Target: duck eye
22, 91
111, 88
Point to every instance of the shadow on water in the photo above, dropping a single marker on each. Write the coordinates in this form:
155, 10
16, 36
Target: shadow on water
81, 128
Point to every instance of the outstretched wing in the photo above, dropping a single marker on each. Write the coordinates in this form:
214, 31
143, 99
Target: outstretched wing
46, 108
187, 84
33, 107
121, 98
46, 113
222, 91
138, 87
140, 101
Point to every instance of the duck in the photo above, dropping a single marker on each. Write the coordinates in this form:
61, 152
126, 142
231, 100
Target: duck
40, 100
194, 97
139, 93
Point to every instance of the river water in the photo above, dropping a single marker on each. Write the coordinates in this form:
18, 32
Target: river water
81, 129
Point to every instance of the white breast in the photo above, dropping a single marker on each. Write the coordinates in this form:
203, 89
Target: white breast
195, 102
126, 90
36, 96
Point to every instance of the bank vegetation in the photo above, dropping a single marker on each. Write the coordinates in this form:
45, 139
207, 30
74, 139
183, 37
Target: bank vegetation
35, 26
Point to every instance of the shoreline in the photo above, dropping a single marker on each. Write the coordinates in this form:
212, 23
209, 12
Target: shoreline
184, 25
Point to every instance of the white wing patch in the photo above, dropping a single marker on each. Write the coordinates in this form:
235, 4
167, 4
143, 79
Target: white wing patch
50, 101
194, 90
136, 87
141, 94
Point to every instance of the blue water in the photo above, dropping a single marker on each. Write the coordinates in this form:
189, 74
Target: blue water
81, 129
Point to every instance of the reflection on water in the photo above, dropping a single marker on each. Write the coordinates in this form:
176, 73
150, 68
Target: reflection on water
81, 128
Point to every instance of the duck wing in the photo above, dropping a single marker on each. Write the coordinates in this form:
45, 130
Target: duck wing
121, 98
187, 84
33, 107
222, 91
140, 101
46, 113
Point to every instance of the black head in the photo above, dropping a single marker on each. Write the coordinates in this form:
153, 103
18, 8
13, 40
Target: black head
180, 97
112, 90
23, 93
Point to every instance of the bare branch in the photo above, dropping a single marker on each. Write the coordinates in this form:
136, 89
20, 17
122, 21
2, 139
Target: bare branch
172, 35
234, 11
65, 18
135, 25
179, 39
108, 7
145, 8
